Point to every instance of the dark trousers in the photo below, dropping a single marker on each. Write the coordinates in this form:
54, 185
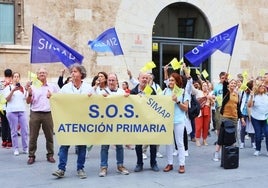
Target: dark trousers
6, 134
138, 149
213, 119
38, 119
192, 134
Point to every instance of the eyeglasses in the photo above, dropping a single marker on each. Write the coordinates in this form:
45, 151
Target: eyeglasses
42, 72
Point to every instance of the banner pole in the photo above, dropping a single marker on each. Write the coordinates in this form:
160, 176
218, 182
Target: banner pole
229, 64
125, 62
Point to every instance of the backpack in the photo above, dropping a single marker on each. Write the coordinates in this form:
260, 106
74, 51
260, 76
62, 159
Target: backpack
194, 108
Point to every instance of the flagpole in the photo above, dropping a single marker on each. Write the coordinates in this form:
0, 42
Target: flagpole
125, 62
229, 64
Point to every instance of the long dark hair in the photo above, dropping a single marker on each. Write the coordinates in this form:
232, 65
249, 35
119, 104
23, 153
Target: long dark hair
105, 75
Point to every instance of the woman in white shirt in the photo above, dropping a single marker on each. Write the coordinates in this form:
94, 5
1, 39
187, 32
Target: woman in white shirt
258, 103
16, 113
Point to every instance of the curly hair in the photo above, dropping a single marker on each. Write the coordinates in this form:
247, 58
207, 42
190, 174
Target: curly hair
80, 68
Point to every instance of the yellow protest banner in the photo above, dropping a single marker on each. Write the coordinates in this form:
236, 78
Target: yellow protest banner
262, 72
178, 91
245, 75
148, 90
95, 120
2, 103
159, 91
205, 73
33, 78
175, 63
148, 66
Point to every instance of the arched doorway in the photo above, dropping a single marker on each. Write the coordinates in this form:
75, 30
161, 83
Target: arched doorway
178, 28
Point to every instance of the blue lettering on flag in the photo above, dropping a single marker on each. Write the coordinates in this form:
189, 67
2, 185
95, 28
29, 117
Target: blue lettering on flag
223, 42
107, 42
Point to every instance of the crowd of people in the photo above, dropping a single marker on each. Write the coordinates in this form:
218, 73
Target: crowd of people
241, 103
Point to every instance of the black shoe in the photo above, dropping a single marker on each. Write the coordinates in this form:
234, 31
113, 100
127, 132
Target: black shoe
155, 168
138, 168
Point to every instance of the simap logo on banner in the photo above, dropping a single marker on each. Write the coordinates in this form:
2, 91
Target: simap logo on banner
83, 120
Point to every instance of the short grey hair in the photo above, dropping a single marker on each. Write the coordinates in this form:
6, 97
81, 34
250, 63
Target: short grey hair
80, 68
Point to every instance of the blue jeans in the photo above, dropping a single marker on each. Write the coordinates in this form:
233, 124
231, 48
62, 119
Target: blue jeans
63, 156
260, 127
104, 155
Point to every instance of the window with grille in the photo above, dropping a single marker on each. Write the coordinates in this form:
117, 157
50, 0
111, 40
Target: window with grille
186, 27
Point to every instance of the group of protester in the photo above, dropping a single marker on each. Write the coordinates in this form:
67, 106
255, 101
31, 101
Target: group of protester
243, 105
229, 102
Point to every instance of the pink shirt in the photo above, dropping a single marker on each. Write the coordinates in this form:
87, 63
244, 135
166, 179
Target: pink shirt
40, 102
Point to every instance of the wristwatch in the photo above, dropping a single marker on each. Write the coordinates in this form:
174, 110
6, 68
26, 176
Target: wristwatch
179, 102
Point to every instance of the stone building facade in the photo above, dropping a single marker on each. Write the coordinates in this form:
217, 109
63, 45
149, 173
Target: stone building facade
75, 22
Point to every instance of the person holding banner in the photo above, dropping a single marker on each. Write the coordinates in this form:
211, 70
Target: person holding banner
181, 100
40, 114
139, 90
77, 86
100, 86
113, 90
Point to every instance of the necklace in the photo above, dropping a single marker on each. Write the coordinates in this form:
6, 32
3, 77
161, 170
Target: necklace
77, 90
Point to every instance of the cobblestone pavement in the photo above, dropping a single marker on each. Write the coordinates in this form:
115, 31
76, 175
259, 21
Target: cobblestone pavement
201, 170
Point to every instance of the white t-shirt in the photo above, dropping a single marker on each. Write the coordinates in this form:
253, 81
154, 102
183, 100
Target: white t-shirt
85, 88
17, 103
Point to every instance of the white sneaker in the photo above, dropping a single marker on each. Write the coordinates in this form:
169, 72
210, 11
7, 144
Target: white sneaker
16, 152
144, 156
159, 155
242, 145
103, 172
82, 174
175, 153
186, 153
257, 153
216, 156
253, 145
25, 151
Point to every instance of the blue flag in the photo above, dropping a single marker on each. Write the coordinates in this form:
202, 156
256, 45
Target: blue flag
47, 49
107, 42
223, 42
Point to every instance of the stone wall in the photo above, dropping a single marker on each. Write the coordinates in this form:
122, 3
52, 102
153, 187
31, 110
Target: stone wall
75, 22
